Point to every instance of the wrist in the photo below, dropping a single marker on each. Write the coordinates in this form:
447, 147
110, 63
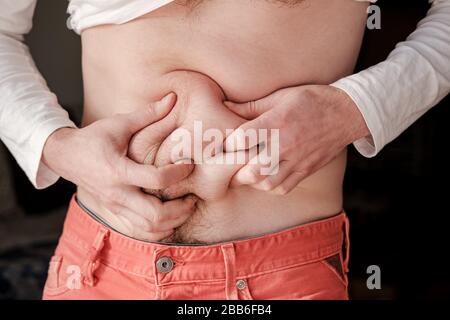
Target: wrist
352, 118
55, 148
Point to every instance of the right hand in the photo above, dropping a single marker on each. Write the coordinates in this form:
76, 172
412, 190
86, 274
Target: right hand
95, 159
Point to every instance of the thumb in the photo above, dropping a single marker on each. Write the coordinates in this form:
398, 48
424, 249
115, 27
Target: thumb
154, 112
250, 110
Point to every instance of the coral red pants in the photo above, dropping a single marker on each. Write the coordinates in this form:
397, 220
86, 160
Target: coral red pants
95, 262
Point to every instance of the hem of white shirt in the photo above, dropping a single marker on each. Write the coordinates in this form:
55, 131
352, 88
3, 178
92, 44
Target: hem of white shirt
371, 145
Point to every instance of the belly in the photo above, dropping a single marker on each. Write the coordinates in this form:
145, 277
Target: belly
249, 49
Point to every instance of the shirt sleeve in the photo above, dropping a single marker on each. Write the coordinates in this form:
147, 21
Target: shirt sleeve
393, 94
29, 112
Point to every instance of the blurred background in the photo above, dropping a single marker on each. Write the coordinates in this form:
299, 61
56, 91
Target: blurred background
397, 202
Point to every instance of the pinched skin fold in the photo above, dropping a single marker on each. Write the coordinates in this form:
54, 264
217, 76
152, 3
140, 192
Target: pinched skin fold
248, 49
199, 99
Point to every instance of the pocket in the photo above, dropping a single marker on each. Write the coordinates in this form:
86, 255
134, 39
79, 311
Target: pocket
319, 280
336, 265
55, 284
64, 271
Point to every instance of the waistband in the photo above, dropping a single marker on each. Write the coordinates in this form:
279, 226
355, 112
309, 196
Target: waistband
254, 256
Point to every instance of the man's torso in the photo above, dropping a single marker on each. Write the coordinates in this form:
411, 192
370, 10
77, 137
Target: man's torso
249, 49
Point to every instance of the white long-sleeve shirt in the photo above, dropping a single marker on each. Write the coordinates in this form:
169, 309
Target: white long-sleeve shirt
393, 94
390, 95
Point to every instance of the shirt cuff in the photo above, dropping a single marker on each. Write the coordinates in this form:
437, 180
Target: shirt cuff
40, 175
371, 145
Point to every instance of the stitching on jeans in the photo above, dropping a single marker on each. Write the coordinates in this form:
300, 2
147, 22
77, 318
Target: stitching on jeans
332, 269
251, 275
290, 266
79, 245
336, 263
246, 292
106, 263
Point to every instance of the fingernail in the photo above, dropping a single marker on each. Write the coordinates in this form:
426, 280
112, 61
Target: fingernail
164, 101
168, 97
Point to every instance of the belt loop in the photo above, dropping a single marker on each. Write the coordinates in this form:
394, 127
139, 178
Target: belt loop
229, 257
347, 243
91, 263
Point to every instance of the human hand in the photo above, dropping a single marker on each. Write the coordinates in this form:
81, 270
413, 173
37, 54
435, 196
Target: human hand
200, 120
95, 158
315, 122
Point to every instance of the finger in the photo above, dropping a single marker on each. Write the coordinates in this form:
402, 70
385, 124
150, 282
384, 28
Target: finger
171, 215
157, 212
136, 222
140, 119
174, 210
129, 223
142, 234
270, 182
254, 171
150, 177
250, 110
152, 237
145, 143
248, 135
259, 167
290, 183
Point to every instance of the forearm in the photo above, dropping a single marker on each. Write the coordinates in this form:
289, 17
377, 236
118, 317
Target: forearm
29, 112
416, 76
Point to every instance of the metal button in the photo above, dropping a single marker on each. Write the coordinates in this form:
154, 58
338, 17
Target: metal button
241, 284
164, 264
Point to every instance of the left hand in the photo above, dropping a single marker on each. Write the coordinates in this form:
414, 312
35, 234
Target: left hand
315, 122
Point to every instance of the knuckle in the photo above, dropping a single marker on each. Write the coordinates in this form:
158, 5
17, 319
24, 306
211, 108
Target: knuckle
159, 181
307, 163
303, 172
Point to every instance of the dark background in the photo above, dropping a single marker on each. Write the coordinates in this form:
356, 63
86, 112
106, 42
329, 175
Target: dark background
397, 202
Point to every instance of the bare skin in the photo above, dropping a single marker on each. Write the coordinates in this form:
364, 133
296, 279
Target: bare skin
317, 122
250, 49
135, 213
